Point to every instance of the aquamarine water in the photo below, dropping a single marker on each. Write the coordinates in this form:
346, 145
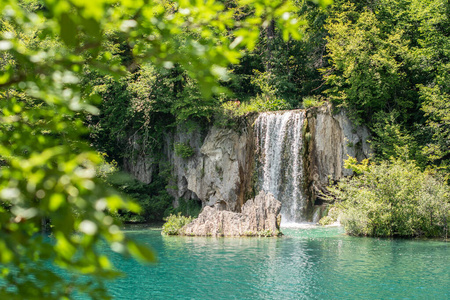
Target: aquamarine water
311, 263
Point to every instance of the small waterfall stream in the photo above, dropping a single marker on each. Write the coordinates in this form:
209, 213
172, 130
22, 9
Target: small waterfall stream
279, 160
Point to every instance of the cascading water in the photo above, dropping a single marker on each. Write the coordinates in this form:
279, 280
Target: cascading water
279, 160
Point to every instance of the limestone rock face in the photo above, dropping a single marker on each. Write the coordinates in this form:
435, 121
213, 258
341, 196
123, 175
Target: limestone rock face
259, 216
332, 137
138, 163
182, 169
216, 173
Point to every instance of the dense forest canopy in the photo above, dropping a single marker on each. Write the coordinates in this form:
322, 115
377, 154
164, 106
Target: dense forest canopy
385, 62
76, 74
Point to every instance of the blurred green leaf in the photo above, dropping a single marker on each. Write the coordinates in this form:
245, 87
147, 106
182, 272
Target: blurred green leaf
141, 252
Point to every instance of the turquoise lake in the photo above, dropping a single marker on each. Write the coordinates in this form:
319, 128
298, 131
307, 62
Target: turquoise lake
306, 263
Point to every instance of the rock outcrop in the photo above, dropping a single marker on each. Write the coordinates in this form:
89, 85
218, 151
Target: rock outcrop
184, 170
217, 172
331, 138
259, 217
138, 163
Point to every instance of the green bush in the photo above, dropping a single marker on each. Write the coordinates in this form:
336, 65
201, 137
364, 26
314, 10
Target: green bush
272, 104
331, 216
231, 111
312, 101
394, 198
174, 223
183, 150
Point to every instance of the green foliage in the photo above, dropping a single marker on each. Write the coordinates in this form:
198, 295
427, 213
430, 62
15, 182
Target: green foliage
183, 150
393, 140
272, 105
237, 109
366, 72
394, 198
282, 69
388, 67
135, 110
437, 107
151, 98
231, 112
357, 167
267, 99
311, 101
263, 80
265, 233
331, 216
174, 223
326, 220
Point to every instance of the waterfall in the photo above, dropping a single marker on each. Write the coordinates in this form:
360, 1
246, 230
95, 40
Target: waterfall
279, 160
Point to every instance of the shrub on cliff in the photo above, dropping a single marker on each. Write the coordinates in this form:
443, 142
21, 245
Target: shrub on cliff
183, 150
394, 198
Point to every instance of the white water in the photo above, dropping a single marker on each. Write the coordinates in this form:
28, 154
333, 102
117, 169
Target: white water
280, 165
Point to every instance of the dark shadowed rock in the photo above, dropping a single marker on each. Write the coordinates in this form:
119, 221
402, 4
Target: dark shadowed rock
259, 217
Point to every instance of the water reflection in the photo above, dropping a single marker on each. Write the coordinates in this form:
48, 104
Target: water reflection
319, 263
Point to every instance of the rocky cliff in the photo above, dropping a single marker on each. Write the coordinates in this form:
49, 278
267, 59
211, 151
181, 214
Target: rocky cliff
138, 163
330, 138
222, 168
217, 172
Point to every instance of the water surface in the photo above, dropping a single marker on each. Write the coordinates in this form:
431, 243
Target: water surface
307, 263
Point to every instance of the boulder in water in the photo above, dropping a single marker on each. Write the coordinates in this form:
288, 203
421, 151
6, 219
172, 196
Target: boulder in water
259, 217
